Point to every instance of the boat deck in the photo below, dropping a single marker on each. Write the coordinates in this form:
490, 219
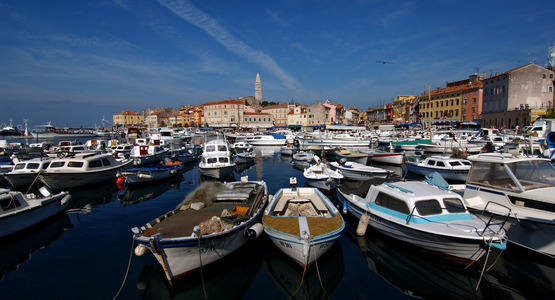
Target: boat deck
316, 225
181, 223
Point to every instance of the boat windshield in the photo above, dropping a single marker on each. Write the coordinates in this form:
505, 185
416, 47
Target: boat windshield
529, 174
534, 174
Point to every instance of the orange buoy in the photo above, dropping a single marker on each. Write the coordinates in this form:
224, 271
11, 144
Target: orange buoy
120, 182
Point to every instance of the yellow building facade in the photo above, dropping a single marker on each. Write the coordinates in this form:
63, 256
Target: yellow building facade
127, 117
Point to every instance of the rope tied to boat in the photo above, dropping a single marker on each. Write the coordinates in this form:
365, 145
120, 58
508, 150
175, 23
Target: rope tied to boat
127, 271
318, 270
34, 180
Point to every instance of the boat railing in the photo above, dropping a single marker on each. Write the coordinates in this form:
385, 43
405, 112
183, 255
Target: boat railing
492, 217
422, 206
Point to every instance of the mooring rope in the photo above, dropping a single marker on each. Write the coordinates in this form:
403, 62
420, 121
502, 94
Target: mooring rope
318, 270
485, 263
36, 177
127, 271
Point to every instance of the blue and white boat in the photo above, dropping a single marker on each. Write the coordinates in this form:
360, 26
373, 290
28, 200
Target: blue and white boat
449, 168
302, 222
151, 173
425, 215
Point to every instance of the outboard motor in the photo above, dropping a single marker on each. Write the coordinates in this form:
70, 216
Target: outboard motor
343, 160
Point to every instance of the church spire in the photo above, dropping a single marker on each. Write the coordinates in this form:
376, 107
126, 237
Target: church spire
257, 89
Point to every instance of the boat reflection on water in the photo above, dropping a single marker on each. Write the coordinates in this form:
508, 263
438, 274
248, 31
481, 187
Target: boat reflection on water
418, 274
520, 275
287, 275
301, 164
135, 194
242, 168
84, 199
267, 151
286, 159
228, 278
18, 248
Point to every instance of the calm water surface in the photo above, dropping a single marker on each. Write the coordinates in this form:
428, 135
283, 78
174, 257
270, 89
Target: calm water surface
85, 253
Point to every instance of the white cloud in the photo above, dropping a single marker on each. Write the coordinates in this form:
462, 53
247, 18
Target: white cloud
188, 12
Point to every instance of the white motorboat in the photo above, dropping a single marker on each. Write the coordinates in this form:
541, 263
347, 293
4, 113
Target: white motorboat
305, 142
275, 139
320, 176
122, 150
216, 160
424, 215
197, 234
244, 157
25, 172
449, 168
240, 147
525, 185
50, 132
82, 169
19, 211
302, 222
147, 153
384, 157
358, 172
447, 145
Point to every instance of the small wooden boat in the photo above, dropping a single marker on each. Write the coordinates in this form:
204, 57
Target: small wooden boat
213, 221
302, 222
355, 156
448, 167
151, 173
425, 215
19, 211
358, 172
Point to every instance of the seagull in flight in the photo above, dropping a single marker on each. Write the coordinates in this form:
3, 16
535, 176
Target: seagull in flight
383, 62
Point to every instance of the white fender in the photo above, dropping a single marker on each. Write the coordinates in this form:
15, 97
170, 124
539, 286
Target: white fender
255, 231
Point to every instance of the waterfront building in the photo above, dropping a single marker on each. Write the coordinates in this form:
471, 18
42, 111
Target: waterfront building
517, 97
279, 112
126, 118
257, 120
318, 114
443, 105
223, 113
297, 117
333, 115
402, 109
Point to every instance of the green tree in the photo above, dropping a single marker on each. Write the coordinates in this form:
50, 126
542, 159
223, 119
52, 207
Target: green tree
264, 103
550, 114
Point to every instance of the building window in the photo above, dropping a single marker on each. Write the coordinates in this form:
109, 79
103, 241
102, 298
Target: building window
473, 109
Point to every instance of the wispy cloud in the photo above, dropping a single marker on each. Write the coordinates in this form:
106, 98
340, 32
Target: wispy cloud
300, 47
188, 12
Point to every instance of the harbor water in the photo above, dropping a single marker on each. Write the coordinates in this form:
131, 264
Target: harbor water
87, 253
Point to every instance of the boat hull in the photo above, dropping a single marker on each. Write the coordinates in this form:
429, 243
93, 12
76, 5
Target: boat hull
216, 171
23, 219
334, 143
388, 158
67, 180
460, 250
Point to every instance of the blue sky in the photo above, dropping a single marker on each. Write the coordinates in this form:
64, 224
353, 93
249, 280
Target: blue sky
73, 62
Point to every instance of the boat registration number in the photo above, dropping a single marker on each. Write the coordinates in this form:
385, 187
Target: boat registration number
207, 249
286, 245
